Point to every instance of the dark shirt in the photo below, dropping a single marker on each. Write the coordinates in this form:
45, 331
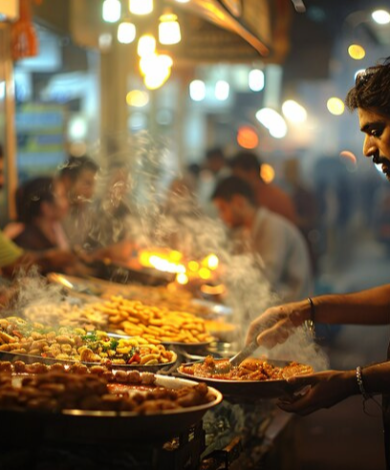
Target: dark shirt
31, 238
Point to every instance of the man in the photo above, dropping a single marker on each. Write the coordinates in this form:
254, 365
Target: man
79, 177
282, 249
371, 97
247, 166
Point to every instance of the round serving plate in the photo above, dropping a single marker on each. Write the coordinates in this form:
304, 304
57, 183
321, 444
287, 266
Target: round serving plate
244, 388
94, 427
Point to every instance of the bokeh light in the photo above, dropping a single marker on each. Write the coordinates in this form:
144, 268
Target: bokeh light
335, 106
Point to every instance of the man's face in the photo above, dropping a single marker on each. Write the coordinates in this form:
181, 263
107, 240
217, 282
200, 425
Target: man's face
84, 187
377, 140
2, 177
229, 212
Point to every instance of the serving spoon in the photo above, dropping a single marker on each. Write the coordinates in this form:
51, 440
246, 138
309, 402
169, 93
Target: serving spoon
236, 360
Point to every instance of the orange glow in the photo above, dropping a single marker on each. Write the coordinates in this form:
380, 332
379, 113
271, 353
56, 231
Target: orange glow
349, 155
247, 137
213, 290
267, 173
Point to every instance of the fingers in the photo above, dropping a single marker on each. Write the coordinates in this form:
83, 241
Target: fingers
272, 336
303, 380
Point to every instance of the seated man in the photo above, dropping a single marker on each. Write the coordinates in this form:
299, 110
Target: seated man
247, 166
283, 253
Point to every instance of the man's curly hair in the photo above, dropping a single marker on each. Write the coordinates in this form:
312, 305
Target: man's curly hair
372, 89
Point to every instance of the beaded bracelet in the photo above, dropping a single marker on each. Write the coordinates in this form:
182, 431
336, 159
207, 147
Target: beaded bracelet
359, 379
310, 322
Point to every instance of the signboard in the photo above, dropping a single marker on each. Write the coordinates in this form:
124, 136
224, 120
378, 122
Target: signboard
40, 136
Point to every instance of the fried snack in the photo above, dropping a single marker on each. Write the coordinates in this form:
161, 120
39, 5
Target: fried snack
250, 369
55, 391
65, 314
20, 337
154, 324
158, 296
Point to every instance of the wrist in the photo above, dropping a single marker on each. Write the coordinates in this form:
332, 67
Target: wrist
351, 383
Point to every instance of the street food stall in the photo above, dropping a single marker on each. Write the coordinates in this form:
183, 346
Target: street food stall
99, 376
129, 368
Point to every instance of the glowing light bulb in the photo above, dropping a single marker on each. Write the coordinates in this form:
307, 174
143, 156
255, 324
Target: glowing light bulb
381, 16
272, 121
212, 262
126, 32
222, 90
256, 80
169, 29
182, 278
294, 112
146, 45
141, 7
111, 11
137, 98
197, 90
356, 52
267, 173
335, 106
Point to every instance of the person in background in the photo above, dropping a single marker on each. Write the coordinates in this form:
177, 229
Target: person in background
281, 247
42, 204
13, 258
305, 203
79, 178
371, 97
247, 166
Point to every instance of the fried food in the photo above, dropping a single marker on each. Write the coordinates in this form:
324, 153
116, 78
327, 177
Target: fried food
154, 324
21, 337
54, 391
250, 369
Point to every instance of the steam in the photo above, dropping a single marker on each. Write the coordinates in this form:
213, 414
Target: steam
135, 179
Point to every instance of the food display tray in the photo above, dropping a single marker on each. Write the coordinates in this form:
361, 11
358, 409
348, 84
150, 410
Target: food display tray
30, 358
92, 427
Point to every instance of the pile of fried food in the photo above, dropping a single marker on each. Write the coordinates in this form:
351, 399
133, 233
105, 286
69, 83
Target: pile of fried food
132, 317
75, 344
55, 390
66, 314
160, 296
249, 369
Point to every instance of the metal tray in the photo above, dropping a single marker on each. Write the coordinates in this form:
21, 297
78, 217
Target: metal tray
104, 426
29, 359
246, 388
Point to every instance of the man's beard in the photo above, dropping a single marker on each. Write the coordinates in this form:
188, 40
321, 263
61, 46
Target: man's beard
385, 165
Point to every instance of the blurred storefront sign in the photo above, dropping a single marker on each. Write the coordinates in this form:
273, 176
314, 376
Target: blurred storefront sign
41, 140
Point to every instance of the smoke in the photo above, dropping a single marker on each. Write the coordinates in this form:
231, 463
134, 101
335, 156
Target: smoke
142, 197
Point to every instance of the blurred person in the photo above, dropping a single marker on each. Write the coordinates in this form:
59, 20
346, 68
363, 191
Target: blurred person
371, 98
247, 166
305, 204
215, 161
282, 249
13, 258
78, 175
42, 205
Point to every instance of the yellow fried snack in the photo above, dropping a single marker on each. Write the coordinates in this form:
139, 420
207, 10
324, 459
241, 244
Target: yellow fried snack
155, 324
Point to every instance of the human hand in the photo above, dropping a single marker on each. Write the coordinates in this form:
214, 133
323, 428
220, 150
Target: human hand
276, 324
316, 391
